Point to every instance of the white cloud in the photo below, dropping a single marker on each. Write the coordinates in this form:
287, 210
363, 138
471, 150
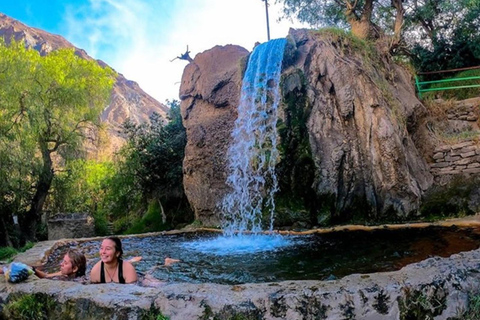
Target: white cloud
139, 37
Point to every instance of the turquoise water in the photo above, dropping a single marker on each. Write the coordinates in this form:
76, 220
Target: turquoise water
206, 257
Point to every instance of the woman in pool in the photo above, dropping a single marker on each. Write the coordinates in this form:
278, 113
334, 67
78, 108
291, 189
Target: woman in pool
72, 266
111, 267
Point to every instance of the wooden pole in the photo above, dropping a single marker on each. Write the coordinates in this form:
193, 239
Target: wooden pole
268, 23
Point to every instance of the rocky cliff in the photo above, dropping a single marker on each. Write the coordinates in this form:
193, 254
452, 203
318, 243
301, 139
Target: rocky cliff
128, 100
348, 121
210, 92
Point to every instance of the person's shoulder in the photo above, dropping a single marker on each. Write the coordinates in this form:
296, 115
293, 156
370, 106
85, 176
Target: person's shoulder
95, 272
97, 265
129, 273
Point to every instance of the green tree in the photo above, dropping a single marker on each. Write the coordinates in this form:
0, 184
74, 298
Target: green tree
444, 34
438, 33
49, 105
81, 186
367, 19
151, 169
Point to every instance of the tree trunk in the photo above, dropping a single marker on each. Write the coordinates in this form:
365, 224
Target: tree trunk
5, 238
362, 27
397, 29
43, 186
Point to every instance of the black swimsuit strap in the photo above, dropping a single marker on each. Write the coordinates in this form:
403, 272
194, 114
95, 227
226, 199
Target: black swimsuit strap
102, 273
121, 279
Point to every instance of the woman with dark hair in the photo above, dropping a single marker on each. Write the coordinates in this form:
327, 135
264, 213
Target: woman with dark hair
111, 267
72, 266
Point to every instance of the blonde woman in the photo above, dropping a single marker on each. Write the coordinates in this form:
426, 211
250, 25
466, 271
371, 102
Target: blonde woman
72, 266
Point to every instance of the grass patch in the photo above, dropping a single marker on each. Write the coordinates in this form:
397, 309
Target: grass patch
7, 253
422, 304
351, 44
453, 138
29, 306
151, 221
473, 310
153, 314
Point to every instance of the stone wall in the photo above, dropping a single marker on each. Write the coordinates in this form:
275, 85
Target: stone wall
72, 225
460, 158
463, 158
466, 110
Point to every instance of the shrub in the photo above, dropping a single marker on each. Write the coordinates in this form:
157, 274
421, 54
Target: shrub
29, 307
153, 314
7, 253
473, 309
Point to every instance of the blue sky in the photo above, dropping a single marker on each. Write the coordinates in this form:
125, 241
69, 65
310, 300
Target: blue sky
138, 38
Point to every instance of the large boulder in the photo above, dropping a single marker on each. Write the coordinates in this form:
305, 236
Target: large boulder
352, 154
363, 114
209, 94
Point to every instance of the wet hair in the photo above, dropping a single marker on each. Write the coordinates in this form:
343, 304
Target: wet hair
78, 260
118, 245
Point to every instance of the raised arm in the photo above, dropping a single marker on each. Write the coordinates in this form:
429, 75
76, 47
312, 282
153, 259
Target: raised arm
42, 274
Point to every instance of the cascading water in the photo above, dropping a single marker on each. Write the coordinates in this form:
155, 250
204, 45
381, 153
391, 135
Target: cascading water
253, 154
251, 160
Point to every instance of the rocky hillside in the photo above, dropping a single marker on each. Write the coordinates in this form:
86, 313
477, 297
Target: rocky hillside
128, 99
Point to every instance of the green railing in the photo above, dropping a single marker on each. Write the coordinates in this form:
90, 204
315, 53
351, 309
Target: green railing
420, 84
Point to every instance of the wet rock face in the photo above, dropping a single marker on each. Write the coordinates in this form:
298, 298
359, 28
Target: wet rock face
359, 112
210, 93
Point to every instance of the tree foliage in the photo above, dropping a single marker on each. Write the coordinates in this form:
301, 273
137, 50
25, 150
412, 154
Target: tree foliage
367, 19
49, 104
81, 186
438, 34
444, 34
151, 169
158, 148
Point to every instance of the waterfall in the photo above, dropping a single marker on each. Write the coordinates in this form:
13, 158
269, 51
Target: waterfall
253, 153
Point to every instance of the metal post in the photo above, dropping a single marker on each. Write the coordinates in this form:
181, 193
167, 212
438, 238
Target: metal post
268, 24
419, 88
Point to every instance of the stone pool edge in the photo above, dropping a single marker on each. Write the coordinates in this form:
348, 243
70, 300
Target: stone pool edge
436, 287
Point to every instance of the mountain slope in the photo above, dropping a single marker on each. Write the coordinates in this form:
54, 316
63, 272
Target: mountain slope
128, 100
